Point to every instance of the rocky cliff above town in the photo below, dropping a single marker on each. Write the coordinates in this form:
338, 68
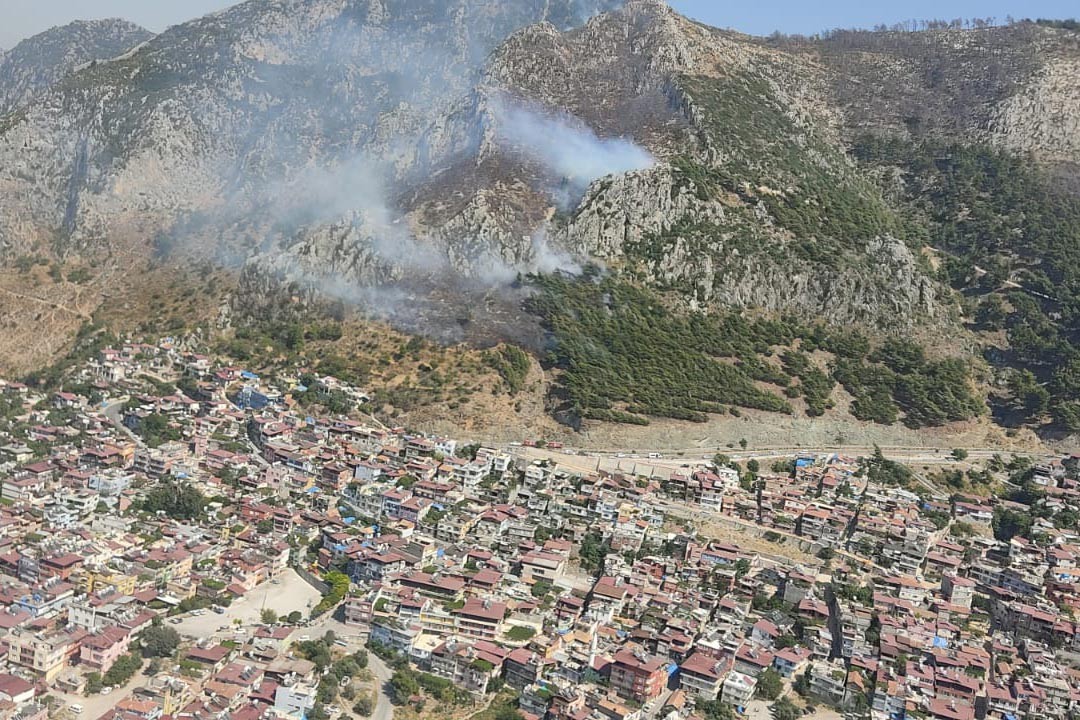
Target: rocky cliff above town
337, 145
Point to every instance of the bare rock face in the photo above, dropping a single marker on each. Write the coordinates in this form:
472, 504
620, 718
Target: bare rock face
213, 116
38, 63
343, 144
1043, 119
622, 211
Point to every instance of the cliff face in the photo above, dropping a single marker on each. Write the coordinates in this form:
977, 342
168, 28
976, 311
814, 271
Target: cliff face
343, 144
36, 64
216, 119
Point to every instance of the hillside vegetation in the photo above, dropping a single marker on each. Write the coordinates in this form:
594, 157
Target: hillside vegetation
623, 356
1012, 244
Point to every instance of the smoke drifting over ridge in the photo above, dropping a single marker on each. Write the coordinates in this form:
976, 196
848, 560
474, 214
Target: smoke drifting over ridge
357, 192
340, 216
354, 191
565, 145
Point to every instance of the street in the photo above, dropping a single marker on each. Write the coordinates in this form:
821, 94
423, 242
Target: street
94, 706
640, 464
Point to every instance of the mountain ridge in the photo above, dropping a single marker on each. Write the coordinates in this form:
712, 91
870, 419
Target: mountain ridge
37, 63
498, 139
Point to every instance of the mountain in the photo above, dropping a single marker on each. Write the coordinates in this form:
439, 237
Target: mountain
417, 157
237, 104
39, 62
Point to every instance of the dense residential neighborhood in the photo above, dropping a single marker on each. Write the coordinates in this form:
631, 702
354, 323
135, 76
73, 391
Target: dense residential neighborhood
182, 538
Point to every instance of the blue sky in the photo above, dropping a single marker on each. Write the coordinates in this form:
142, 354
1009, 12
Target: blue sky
22, 18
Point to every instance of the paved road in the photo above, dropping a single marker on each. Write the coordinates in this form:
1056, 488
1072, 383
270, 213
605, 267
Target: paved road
114, 411
97, 705
384, 709
591, 461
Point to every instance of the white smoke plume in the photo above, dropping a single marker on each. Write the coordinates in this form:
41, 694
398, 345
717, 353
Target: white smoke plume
353, 190
565, 146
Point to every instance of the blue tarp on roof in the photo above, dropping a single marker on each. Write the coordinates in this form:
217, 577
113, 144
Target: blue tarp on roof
248, 375
804, 462
941, 642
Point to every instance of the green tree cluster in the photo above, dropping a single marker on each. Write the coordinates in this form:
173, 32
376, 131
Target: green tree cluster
178, 500
159, 641
999, 212
339, 587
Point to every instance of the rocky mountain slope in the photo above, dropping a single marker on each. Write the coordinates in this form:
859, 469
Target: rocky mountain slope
416, 157
753, 200
37, 63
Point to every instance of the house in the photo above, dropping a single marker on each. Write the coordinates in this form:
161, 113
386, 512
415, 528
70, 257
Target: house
943, 709
752, 661
637, 675
294, 699
15, 690
211, 657
100, 651
702, 675
481, 619
44, 654
790, 661
738, 689
542, 566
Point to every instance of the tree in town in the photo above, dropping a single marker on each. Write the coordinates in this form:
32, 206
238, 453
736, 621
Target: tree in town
769, 685
180, 501
403, 685
364, 705
784, 709
159, 641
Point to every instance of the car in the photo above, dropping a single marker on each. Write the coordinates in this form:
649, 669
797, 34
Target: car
341, 642
305, 638
176, 621
275, 581
77, 709
219, 610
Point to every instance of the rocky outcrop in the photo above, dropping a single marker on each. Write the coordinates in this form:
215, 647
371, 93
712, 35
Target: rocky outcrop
1043, 119
214, 116
38, 63
343, 144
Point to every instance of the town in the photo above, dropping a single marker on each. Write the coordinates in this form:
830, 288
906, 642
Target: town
183, 538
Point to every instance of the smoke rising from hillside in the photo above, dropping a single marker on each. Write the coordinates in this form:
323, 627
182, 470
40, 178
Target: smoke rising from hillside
346, 193
565, 146
354, 191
